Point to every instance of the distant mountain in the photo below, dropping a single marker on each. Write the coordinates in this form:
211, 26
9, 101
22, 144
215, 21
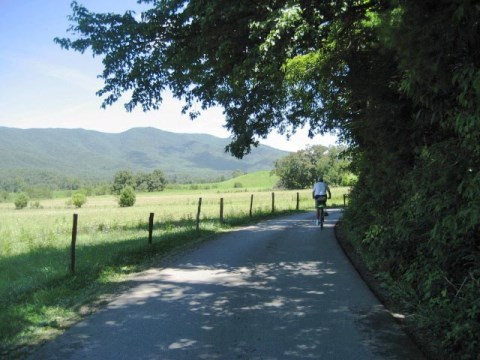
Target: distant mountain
95, 155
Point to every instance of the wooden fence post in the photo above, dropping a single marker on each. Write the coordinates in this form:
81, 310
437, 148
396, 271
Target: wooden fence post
344, 200
221, 210
198, 213
298, 201
74, 241
273, 202
251, 205
150, 228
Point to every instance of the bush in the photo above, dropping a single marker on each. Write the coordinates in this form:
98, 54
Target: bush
78, 199
127, 197
36, 205
21, 201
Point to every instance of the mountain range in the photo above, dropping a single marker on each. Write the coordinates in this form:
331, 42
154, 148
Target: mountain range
88, 154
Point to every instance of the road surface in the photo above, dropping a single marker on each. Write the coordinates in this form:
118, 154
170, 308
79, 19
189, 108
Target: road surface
282, 289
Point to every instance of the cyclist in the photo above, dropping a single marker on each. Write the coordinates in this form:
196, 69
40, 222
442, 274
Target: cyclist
320, 191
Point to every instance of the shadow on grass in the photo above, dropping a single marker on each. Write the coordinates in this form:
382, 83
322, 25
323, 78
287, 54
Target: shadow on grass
37, 288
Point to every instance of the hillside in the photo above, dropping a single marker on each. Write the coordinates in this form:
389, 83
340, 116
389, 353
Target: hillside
95, 155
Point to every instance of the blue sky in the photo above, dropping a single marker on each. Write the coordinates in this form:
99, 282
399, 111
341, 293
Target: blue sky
43, 86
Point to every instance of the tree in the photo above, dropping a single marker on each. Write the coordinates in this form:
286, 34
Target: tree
301, 169
79, 199
122, 179
154, 181
141, 181
233, 57
295, 170
21, 201
157, 181
127, 197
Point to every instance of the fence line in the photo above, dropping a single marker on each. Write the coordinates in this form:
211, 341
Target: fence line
151, 223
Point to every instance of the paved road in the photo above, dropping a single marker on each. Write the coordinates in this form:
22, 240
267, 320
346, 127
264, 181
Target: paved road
282, 289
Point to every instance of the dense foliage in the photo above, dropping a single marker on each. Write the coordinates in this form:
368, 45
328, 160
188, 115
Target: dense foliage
79, 199
38, 182
301, 169
122, 179
127, 197
154, 181
21, 201
399, 81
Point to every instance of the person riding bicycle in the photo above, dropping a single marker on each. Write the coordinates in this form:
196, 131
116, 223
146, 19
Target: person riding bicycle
320, 191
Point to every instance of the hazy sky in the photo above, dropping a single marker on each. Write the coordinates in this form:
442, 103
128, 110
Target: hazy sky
43, 86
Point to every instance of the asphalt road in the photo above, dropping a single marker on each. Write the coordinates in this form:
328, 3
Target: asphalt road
282, 289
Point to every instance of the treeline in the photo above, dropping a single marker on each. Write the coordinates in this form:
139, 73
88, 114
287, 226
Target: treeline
301, 169
11, 186
43, 184
18, 180
40, 184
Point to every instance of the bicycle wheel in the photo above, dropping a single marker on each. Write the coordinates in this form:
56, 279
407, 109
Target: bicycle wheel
322, 218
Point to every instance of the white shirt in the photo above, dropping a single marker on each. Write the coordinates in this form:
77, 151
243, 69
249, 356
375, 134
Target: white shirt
320, 188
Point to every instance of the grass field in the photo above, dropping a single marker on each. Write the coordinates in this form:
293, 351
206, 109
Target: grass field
38, 295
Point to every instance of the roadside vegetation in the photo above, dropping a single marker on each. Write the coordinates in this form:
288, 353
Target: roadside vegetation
39, 297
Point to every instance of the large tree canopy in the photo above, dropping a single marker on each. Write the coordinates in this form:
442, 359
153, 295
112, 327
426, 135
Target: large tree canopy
398, 80
269, 64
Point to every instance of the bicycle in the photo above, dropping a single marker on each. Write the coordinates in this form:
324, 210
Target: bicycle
320, 204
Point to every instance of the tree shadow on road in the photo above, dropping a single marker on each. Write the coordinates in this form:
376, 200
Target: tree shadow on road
288, 308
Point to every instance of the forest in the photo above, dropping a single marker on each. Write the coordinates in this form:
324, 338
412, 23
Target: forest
398, 81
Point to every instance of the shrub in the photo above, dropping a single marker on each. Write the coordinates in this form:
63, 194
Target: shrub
36, 205
127, 197
78, 199
21, 201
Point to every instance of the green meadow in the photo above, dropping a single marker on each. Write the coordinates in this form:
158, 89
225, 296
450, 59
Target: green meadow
38, 294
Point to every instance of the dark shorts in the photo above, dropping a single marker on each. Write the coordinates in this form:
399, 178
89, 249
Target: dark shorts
320, 200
